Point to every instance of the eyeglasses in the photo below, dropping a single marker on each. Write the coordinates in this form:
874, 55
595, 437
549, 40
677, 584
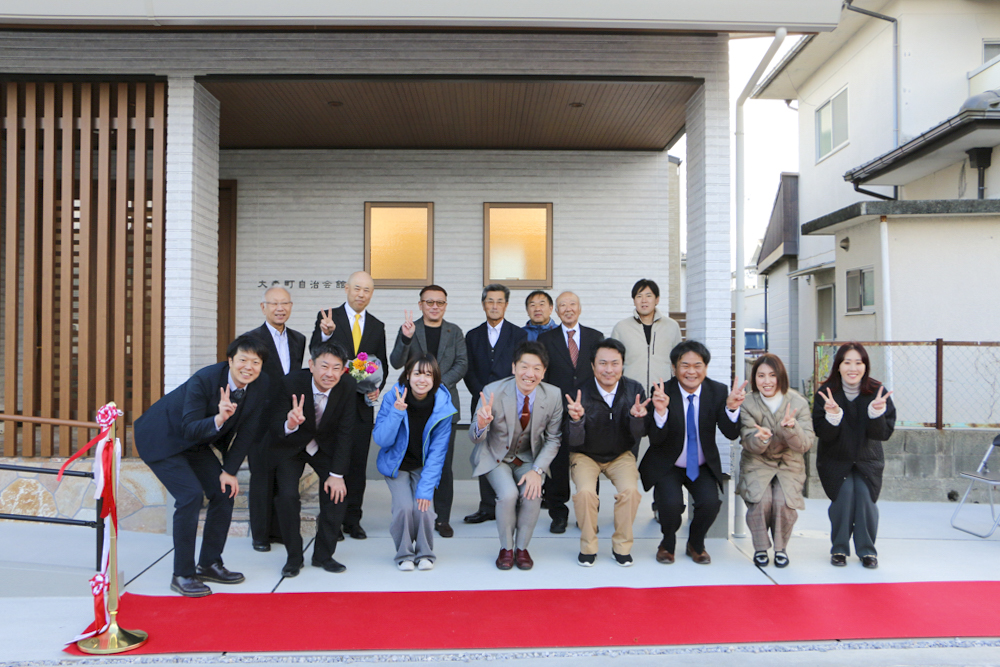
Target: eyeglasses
275, 304
434, 303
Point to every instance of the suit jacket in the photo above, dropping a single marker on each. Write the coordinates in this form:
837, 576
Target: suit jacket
546, 426
452, 358
332, 434
185, 418
372, 342
272, 367
561, 372
483, 370
666, 444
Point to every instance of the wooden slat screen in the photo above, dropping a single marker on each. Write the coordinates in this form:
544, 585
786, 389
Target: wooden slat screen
82, 181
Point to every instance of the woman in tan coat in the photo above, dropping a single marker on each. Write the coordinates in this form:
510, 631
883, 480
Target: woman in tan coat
777, 430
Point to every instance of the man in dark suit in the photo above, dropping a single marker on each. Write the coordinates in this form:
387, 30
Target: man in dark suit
357, 330
491, 357
313, 424
285, 349
432, 334
682, 451
569, 347
222, 405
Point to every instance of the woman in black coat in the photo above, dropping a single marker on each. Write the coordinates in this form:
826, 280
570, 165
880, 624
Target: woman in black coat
852, 416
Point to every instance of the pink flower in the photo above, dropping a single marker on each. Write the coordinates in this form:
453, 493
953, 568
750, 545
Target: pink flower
363, 356
371, 368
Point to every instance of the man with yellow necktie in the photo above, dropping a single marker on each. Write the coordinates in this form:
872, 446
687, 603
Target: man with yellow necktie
351, 325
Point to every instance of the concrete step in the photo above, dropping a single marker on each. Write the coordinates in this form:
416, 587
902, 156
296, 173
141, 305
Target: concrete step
240, 525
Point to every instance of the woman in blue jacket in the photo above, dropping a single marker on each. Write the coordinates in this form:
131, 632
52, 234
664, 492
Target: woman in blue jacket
413, 428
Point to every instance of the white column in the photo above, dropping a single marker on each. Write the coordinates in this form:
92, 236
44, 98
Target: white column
192, 230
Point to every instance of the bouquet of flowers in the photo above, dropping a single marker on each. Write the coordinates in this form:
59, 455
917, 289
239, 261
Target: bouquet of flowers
368, 373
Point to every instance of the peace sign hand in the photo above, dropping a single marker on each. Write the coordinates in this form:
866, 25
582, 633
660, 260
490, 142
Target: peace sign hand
788, 421
574, 408
829, 404
226, 408
326, 323
639, 409
660, 399
764, 434
879, 403
400, 403
736, 396
295, 416
485, 413
408, 326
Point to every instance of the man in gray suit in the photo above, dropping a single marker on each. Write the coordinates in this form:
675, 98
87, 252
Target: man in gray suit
433, 335
516, 431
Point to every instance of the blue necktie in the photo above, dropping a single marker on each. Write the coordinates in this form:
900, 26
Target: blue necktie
692, 441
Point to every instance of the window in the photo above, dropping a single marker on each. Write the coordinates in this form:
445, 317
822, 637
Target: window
518, 245
861, 290
991, 50
831, 125
399, 243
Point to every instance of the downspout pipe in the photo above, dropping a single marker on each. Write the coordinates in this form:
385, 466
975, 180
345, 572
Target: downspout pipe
739, 520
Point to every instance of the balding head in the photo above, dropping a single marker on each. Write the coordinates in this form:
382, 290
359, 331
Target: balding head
568, 308
359, 290
277, 307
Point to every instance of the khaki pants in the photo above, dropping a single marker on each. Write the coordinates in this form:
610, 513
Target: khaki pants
624, 474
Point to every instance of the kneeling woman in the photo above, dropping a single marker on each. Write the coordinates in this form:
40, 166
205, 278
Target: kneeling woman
853, 415
777, 431
413, 428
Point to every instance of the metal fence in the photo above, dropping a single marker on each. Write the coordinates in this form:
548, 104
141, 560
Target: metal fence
936, 384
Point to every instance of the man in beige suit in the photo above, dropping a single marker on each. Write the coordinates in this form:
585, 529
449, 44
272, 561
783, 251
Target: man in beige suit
516, 432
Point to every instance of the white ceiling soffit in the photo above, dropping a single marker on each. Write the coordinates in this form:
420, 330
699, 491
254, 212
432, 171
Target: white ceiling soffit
704, 15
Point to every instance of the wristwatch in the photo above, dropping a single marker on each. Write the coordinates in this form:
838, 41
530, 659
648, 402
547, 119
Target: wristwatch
540, 472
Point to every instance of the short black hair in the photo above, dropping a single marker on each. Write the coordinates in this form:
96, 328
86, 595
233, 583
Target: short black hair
607, 344
329, 347
689, 346
247, 343
433, 288
532, 347
496, 287
538, 292
642, 284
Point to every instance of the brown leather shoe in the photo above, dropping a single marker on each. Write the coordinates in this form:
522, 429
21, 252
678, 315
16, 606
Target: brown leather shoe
664, 556
505, 560
523, 559
701, 558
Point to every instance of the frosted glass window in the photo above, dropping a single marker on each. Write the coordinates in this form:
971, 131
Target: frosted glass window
831, 125
518, 251
399, 250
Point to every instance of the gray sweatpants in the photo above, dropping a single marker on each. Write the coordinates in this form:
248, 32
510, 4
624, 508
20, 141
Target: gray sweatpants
412, 530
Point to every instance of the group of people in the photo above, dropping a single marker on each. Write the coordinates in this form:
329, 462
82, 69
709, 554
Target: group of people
552, 401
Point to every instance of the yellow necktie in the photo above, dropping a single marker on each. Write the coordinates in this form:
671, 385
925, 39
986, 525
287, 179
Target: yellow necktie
356, 332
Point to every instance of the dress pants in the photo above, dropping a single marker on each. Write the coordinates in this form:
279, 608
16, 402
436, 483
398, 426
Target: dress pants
412, 530
288, 472
190, 477
853, 512
445, 493
487, 496
557, 491
516, 516
624, 474
261, 496
771, 513
669, 498
357, 474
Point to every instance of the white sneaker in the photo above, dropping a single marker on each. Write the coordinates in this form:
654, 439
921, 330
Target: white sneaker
405, 565
425, 564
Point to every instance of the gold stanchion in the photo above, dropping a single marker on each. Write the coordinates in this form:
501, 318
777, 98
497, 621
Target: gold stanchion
115, 639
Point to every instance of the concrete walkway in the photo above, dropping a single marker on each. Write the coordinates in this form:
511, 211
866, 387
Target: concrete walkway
45, 599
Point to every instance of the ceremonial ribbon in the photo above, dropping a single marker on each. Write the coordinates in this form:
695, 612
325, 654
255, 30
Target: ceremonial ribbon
106, 416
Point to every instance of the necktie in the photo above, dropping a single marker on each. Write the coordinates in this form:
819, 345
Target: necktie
356, 332
574, 351
236, 395
692, 441
320, 401
525, 414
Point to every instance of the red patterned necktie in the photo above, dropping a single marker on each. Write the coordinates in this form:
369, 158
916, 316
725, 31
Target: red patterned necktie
525, 414
574, 351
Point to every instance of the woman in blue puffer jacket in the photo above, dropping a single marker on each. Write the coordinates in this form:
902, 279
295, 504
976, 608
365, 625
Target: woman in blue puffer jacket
413, 428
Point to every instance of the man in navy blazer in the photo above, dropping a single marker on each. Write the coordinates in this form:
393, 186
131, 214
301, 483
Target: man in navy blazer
683, 457
352, 326
285, 349
491, 357
221, 406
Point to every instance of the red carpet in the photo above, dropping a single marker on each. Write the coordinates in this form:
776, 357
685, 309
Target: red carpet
562, 618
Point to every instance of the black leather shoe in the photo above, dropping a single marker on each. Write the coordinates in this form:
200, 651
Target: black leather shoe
290, 570
217, 572
356, 532
558, 525
330, 565
444, 529
838, 560
261, 546
480, 517
189, 587
871, 562
340, 536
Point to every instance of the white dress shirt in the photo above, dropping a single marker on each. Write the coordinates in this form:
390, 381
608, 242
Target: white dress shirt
576, 336
493, 332
350, 319
681, 461
312, 447
608, 396
281, 344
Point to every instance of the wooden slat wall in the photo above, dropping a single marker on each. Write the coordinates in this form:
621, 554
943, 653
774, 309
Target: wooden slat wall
83, 168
